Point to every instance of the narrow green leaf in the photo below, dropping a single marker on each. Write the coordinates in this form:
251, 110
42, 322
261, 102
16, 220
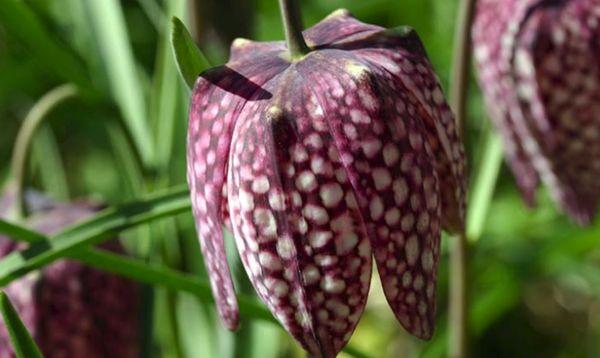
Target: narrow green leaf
98, 228
140, 271
484, 185
110, 30
23, 345
22, 23
190, 60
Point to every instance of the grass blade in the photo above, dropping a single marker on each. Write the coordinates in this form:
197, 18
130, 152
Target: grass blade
140, 271
484, 185
190, 60
23, 345
111, 32
105, 224
22, 23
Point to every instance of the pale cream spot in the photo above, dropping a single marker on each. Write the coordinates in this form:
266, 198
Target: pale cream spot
325, 260
376, 208
319, 166
318, 239
311, 274
382, 178
406, 279
418, 282
427, 260
286, 248
299, 154
350, 131
390, 154
412, 250
314, 140
351, 202
342, 223
400, 191
332, 285
345, 242
269, 261
364, 248
438, 96
331, 194
392, 216
306, 181
371, 147
423, 222
240, 42
407, 222
260, 185
265, 221
356, 69
315, 213
277, 200
341, 175
358, 116
246, 200
336, 307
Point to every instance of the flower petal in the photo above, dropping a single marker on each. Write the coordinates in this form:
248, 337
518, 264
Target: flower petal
492, 59
555, 69
339, 26
218, 98
401, 54
295, 218
382, 145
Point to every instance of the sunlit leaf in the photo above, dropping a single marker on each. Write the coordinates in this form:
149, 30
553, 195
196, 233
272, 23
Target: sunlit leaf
22, 343
190, 60
111, 34
104, 225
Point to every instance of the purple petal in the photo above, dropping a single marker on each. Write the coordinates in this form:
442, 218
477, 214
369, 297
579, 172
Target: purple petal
383, 148
298, 228
219, 96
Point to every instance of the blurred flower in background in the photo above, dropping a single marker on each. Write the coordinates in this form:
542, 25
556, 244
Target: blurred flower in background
72, 310
538, 66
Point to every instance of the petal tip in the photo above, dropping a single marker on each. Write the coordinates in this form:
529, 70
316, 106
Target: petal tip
339, 13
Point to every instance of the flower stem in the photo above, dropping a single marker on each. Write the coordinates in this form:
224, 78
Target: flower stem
25, 136
292, 23
458, 305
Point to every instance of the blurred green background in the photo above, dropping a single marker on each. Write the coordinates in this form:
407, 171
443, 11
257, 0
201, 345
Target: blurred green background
534, 276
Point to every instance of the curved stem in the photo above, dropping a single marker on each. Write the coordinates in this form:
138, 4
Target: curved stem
292, 23
458, 310
24, 139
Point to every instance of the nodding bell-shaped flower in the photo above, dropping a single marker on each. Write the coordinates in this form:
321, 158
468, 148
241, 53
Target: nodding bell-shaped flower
71, 310
539, 70
317, 165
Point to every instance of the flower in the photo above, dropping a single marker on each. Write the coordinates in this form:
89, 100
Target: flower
72, 310
318, 164
538, 67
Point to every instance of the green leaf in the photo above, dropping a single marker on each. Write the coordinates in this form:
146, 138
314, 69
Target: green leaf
110, 31
104, 225
484, 185
190, 60
23, 345
21, 22
140, 271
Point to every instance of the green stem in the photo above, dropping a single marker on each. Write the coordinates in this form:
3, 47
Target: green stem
292, 23
458, 316
22, 147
